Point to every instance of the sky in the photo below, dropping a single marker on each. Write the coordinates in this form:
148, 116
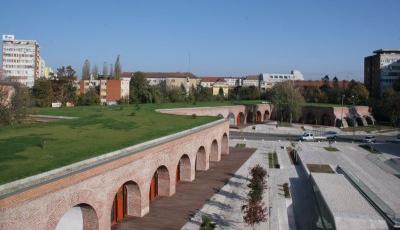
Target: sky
209, 37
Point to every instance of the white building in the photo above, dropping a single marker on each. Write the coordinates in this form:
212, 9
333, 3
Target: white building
21, 60
234, 81
270, 79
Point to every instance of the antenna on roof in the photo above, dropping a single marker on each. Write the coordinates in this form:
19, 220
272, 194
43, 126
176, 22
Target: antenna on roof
189, 61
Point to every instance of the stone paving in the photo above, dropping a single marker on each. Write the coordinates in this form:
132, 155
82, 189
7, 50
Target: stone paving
283, 213
228, 215
173, 212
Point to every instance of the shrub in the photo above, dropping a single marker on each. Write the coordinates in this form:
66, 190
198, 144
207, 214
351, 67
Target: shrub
132, 114
194, 116
254, 212
206, 223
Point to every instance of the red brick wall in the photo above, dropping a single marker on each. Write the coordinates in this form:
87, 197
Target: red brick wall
113, 90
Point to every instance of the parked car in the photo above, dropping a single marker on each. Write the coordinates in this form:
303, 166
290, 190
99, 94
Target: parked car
369, 139
330, 135
397, 140
310, 137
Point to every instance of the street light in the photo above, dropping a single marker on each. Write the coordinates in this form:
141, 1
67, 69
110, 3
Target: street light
354, 124
341, 117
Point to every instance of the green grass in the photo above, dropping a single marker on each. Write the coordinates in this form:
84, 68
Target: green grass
29, 149
318, 168
370, 128
331, 149
323, 105
273, 160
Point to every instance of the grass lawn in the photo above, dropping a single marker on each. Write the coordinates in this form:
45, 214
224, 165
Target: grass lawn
29, 149
331, 149
323, 105
317, 168
370, 128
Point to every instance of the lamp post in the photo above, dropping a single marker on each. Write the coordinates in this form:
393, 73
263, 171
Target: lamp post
354, 124
341, 116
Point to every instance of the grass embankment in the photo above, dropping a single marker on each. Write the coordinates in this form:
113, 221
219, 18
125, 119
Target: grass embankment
29, 149
370, 128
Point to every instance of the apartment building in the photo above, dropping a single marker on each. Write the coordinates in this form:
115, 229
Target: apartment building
21, 60
171, 79
381, 70
110, 90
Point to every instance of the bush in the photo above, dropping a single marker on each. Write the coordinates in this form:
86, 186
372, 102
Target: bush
194, 116
206, 223
132, 114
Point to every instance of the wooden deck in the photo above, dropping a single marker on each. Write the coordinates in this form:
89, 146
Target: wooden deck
173, 212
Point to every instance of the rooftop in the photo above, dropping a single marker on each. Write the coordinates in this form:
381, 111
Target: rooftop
380, 51
347, 205
33, 148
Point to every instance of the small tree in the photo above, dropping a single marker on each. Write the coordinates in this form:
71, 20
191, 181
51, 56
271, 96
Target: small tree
86, 70
105, 69
221, 92
254, 212
117, 69
206, 223
95, 72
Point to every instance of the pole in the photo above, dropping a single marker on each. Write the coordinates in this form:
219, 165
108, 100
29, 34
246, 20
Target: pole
341, 116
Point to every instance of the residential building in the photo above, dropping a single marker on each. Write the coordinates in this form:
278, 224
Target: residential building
208, 82
234, 81
252, 80
217, 86
21, 60
172, 79
381, 70
270, 79
110, 90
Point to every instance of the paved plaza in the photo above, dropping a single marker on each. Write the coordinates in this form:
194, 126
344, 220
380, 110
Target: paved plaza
173, 212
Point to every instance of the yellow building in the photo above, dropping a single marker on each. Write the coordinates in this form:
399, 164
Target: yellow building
220, 85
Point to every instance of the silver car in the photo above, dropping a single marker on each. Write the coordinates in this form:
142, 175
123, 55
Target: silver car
369, 139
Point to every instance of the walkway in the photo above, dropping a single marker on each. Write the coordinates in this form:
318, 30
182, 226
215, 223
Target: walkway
173, 212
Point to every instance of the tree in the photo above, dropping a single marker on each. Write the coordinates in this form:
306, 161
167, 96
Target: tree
391, 106
105, 70
287, 100
14, 111
139, 89
91, 97
358, 93
42, 92
63, 85
117, 69
335, 82
95, 72
111, 71
254, 210
206, 223
396, 85
86, 70
221, 92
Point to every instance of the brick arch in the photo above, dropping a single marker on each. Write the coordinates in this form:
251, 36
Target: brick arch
231, 119
240, 119
259, 118
160, 182
266, 115
127, 201
224, 144
215, 154
202, 160
82, 199
184, 169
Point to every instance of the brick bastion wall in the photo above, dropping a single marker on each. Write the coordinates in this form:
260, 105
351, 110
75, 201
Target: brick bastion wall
41, 201
236, 114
